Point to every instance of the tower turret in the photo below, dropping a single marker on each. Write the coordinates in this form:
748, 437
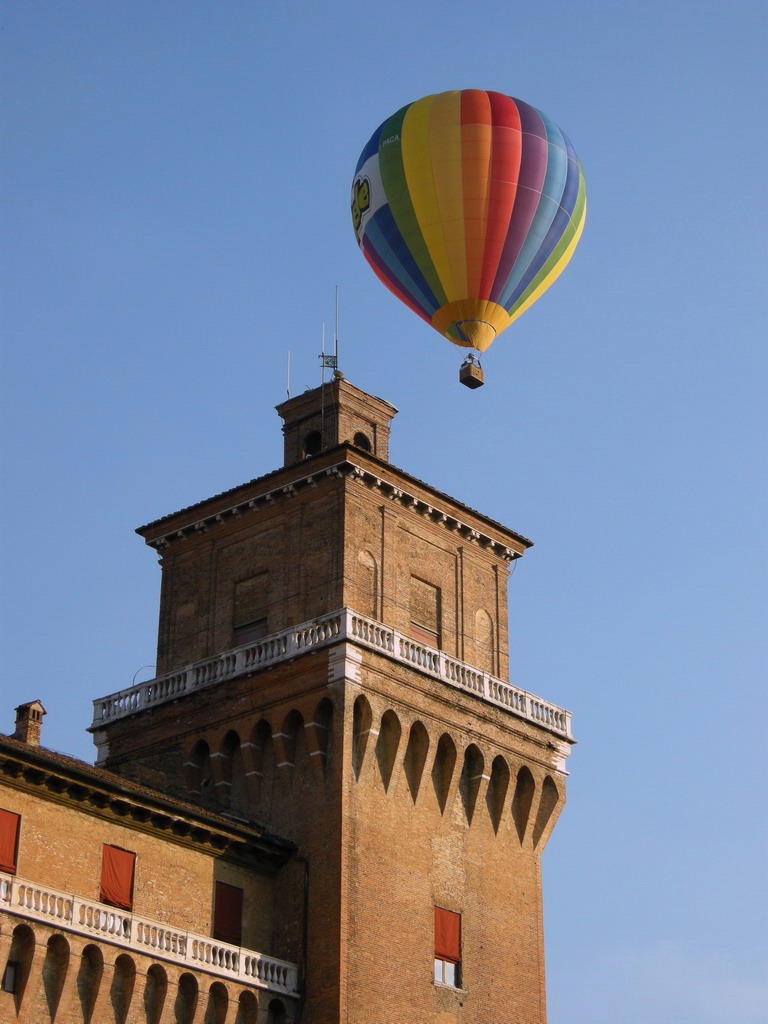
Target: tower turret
333, 663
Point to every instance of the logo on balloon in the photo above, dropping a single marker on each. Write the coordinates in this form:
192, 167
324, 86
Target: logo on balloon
475, 203
361, 202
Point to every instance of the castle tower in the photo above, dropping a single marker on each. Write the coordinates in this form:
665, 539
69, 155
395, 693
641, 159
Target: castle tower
333, 664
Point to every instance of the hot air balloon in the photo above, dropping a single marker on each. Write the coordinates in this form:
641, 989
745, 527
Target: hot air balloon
467, 205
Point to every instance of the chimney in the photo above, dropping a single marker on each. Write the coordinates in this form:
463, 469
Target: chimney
29, 720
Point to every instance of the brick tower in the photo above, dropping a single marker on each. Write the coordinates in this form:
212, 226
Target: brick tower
333, 664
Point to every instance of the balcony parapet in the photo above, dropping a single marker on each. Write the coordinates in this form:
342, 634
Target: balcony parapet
342, 625
72, 913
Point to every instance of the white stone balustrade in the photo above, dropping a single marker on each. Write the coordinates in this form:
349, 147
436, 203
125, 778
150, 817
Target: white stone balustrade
343, 625
72, 913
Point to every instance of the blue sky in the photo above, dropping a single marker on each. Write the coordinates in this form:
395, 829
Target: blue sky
175, 201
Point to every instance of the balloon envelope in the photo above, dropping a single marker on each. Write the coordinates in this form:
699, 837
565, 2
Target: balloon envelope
468, 205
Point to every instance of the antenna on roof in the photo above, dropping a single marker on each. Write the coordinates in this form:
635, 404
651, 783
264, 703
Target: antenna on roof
331, 362
336, 332
326, 362
288, 388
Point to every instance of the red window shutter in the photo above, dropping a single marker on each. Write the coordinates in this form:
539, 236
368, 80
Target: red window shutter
9, 839
117, 877
228, 914
447, 935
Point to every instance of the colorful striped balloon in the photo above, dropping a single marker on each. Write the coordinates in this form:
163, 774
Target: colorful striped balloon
468, 205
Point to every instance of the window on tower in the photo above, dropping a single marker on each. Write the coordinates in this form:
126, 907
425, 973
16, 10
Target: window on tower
250, 609
425, 613
447, 947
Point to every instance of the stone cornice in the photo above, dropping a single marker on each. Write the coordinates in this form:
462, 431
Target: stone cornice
38, 771
437, 510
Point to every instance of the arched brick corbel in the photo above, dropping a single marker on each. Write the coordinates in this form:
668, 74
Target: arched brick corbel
387, 746
254, 752
444, 770
496, 795
286, 742
102, 1007
550, 804
220, 774
318, 736
363, 735
523, 798
473, 780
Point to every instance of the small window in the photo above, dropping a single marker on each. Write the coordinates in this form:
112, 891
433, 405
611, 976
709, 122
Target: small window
10, 976
447, 947
313, 444
117, 871
9, 840
361, 440
228, 914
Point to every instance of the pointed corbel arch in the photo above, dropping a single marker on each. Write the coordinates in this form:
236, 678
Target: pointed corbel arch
545, 815
415, 758
443, 769
198, 773
88, 980
218, 1003
498, 786
387, 745
362, 717
318, 733
185, 1004
247, 1009
522, 800
233, 786
121, 989
286, 743
55, 968
221, 764
155, 992
471, 779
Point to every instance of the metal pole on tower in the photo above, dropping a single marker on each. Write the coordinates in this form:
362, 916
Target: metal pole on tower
336, 331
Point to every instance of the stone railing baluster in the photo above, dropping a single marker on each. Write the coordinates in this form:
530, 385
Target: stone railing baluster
86, 917
344, 624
